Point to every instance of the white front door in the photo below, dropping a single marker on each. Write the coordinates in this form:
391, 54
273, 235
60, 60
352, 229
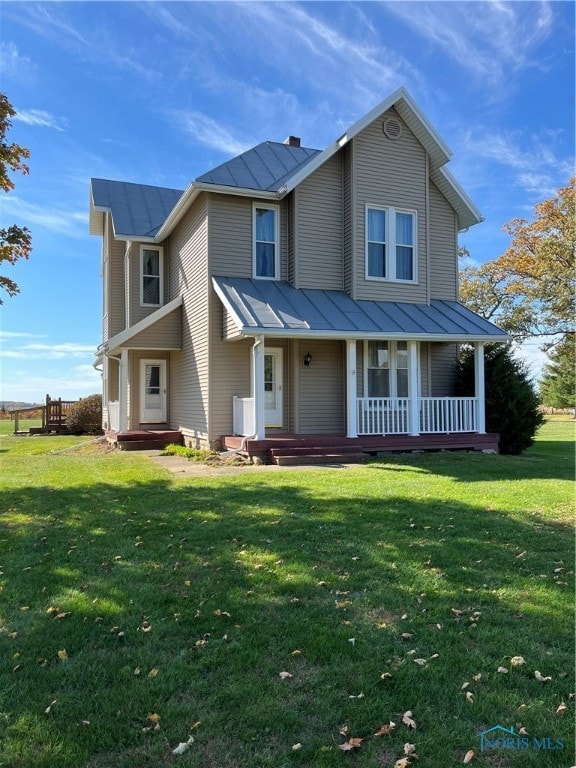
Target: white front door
273, 387
152, 391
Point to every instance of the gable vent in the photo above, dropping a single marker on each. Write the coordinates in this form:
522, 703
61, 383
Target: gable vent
392, 128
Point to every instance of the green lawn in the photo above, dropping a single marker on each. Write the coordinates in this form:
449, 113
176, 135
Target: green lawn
400, 585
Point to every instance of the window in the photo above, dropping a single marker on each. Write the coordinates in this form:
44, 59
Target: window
386, 369
152, 276
266, 250
390, 244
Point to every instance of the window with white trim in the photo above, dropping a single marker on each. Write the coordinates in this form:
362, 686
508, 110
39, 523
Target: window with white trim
151, 276
386, 368
391, 252
266, 249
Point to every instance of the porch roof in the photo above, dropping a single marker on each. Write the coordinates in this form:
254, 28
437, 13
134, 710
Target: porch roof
275, 308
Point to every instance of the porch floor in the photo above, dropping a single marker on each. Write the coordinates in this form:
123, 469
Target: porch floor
294, 449
143, 439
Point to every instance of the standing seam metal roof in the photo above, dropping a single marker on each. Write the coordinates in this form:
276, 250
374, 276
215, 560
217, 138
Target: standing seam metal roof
259, 306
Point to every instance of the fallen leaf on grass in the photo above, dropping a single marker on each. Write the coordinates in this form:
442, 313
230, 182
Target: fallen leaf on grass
62, 655
384, 675
540, 677
522, 731
350, 744
296, 747
477, 678
420, 662
62, 615
386, 729
456, 611
152, 723
183, 746
470, 697
407, 720
285, 675
410, 749
153, 672
517, 661
49, 707
468, 756
561, 708
359, 696
218, 612
402, 763
502, 670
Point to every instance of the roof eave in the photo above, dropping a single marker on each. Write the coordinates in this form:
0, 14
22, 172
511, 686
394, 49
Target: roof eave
461, 338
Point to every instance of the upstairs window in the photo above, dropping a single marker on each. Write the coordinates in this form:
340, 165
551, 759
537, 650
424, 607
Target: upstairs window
266, 242
390, 244
151, 276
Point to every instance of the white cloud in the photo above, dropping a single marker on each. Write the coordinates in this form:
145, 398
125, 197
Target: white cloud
20, 335
12, 63
49, 351
69, 383
209, 133
533, 159
490, 39
64, 222
40, 119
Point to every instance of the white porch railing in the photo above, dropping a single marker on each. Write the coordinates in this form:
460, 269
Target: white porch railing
390, 415
448, 414
244, 419
114, 415
383, 415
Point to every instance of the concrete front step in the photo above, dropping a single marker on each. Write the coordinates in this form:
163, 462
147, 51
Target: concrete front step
289, 460
299, 450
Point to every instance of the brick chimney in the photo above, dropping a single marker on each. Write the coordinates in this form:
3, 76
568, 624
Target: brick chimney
292, 141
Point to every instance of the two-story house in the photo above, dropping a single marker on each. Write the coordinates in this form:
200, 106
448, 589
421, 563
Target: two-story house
295, 293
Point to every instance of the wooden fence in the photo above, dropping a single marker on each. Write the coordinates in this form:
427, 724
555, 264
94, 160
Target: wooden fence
53, 415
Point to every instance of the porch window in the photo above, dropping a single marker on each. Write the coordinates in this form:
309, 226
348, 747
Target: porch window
266, 241
386, 372
151, 276
390, 244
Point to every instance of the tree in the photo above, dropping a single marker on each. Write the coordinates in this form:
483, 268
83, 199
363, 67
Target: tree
15, 241
558, 385
529, 289
510, 397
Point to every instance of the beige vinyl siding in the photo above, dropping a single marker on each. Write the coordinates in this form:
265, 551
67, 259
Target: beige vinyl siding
229, 374
443, 359
114, 252
319, 221
321, 396
164, 334
443, 254
231, 236
135, 384
229, 327
347, 229
292, 238
389, 173
189, 367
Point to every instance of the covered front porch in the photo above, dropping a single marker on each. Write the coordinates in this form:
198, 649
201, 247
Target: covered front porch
412, 415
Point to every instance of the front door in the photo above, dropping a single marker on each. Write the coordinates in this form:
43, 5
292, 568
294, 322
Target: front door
152, 391
273, 387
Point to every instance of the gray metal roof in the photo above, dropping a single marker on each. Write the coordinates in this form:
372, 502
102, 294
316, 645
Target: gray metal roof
138, 210
265, 167
268, 307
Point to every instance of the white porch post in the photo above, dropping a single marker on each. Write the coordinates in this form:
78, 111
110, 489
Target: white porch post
413, 387
479, 389
123, 393
351, 421
258, 388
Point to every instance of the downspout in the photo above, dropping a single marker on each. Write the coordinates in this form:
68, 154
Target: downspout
259, 340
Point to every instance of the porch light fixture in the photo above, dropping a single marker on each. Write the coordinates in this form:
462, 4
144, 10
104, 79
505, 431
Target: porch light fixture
307, 359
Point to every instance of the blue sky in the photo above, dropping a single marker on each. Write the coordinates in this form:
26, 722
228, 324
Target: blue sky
161, 92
